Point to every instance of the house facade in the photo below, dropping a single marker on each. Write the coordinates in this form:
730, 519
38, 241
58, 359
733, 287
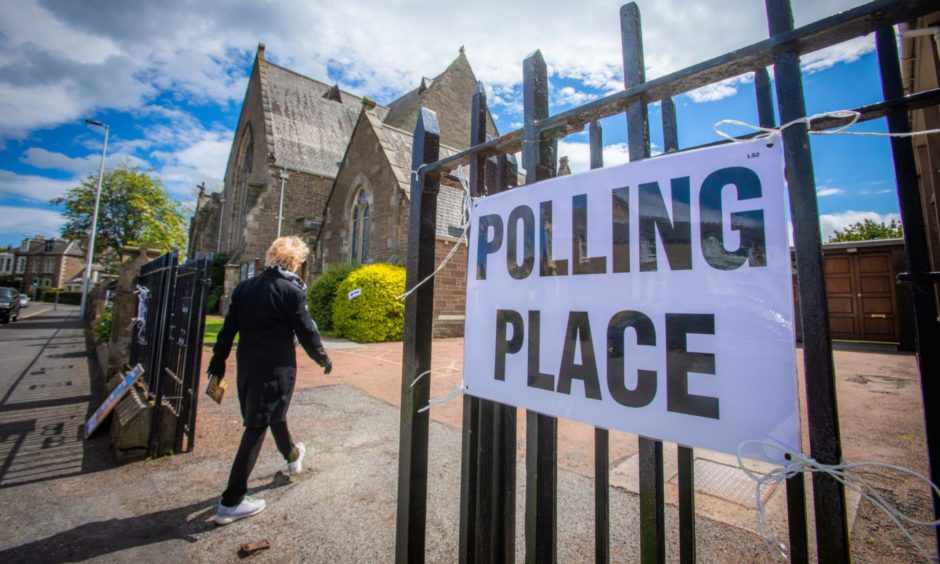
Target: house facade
42, 262
920, 57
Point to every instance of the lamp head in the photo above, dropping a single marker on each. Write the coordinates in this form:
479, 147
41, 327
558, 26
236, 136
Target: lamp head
94, 122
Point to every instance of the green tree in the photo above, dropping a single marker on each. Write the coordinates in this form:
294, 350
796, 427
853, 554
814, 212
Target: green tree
868, 230
135, 209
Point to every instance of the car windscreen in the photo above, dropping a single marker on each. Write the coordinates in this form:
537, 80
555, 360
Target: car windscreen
7, 294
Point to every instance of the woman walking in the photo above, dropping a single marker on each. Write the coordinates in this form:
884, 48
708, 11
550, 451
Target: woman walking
267, 311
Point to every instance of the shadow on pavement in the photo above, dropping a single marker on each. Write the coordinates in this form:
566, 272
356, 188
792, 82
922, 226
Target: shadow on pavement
100, 538
31, 424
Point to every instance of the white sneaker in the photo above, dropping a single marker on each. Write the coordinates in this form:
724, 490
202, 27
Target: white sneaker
295, 467
248, 507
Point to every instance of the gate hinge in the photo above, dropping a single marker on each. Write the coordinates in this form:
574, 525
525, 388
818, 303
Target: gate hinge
919, 277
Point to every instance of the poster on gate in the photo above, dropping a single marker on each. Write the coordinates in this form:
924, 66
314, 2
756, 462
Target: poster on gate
653, 297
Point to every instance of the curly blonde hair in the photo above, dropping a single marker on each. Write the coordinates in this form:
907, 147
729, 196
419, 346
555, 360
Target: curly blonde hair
287, 252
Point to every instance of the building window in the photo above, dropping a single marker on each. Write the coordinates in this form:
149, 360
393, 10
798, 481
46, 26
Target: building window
21, 265
360, 228
24, 246
49, 265
48, 246
47, 282
36, 265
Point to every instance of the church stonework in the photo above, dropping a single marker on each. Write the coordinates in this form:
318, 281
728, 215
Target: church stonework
339, 165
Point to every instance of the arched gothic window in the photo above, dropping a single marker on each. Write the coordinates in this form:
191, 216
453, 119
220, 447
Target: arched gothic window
242, 172
360, 228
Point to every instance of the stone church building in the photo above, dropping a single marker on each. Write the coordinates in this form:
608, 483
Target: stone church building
312, 160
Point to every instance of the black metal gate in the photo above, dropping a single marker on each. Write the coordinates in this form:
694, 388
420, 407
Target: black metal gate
487, 512
167, 341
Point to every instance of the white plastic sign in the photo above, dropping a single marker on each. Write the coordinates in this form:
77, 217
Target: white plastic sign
653, 297
354, 293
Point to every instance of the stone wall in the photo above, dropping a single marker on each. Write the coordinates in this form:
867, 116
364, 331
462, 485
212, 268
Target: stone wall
367, 168
125, 305
450, 290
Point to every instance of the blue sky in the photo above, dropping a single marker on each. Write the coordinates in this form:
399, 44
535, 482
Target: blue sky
169, 78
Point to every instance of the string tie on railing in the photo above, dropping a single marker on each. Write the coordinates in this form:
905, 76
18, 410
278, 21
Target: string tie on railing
140, 321
467, 209
770, 133
845, 473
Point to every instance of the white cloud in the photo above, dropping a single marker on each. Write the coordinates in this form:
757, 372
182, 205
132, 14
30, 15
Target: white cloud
80, 166
579, 154
830, 222
61, 61
16, 221
826, 191
720, 90
33, 188
847, 52
569, 96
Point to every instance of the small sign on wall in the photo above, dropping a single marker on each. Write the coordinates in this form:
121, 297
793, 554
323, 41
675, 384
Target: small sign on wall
653, 297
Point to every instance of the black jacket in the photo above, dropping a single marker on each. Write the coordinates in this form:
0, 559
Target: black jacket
267, 311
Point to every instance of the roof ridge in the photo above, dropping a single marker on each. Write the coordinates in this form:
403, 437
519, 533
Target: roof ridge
320, 82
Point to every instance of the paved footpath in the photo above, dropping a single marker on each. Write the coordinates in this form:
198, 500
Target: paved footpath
44, 396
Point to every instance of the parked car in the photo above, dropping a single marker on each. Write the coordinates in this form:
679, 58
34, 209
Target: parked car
9, 305
24, 300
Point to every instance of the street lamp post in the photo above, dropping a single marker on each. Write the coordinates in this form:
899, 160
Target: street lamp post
94, 220
218, 243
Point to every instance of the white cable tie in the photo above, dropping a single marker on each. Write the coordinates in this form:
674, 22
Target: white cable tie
446, 398
843, 473
420, 376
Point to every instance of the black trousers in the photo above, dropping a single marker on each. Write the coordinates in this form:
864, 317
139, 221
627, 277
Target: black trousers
248, 450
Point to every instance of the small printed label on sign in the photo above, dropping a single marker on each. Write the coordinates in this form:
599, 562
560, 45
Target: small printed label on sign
354, 293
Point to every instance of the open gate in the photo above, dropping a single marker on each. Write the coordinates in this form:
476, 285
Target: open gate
488, 488
167, 341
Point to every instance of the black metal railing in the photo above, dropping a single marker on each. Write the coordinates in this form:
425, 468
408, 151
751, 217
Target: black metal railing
487, 511
167, 341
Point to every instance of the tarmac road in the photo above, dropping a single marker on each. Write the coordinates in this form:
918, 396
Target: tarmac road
62, 499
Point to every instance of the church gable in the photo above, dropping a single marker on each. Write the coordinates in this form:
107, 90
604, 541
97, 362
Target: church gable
449, 95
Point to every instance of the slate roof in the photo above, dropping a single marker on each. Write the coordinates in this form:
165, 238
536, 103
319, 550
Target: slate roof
59, 247
309, 132
396, 144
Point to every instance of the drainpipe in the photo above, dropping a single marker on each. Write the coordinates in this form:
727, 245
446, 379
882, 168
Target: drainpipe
280, 208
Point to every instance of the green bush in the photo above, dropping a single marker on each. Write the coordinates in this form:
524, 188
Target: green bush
213, 299
103, 328
73, 298
322, 291
376, 315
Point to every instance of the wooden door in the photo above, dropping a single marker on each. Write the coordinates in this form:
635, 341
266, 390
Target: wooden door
860, 291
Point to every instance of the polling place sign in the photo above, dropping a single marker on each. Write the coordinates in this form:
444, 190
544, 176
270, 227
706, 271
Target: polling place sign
653, 297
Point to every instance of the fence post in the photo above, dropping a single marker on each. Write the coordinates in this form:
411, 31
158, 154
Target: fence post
926, 328
650, 455
832, 539
685, 458
601, 436
419, 320
541, 430
796, 485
